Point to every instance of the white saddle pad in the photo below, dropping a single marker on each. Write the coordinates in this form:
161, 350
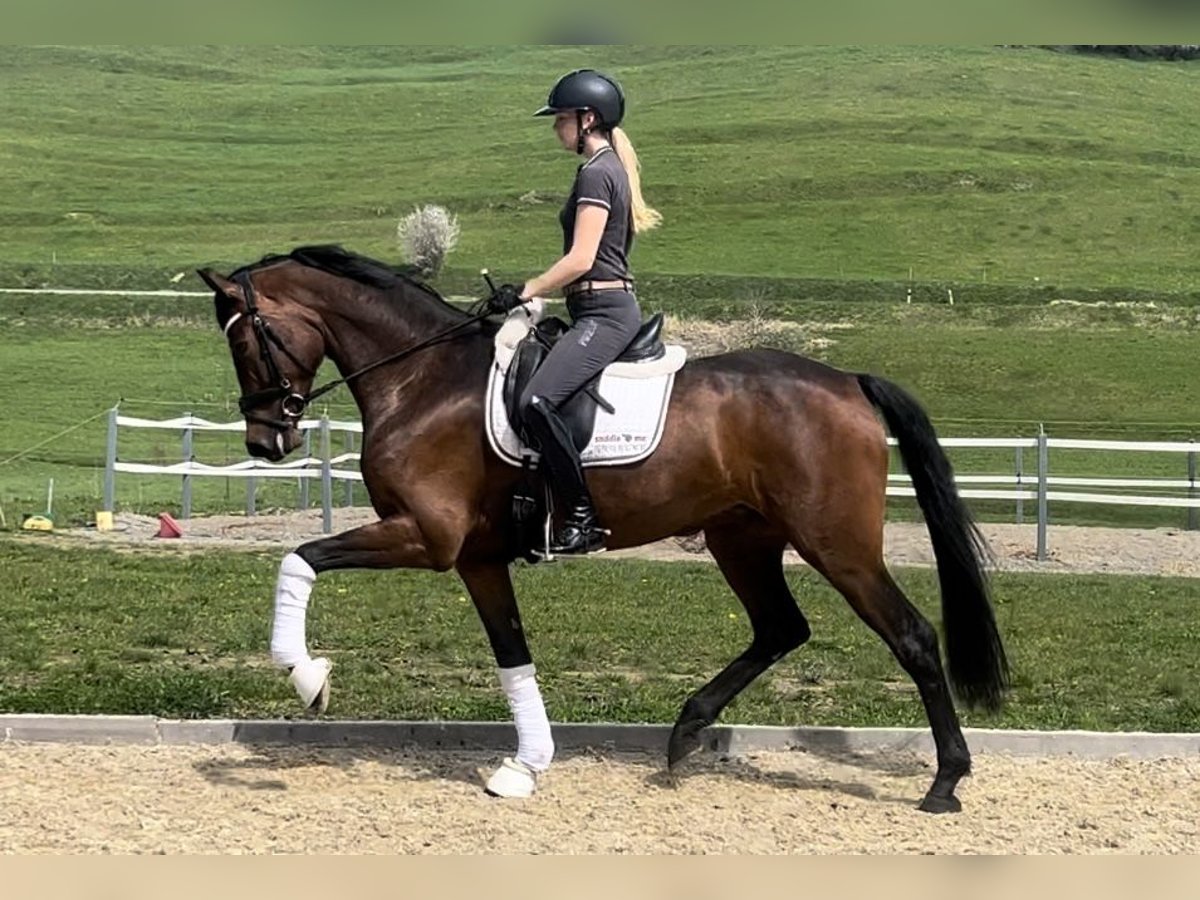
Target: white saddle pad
638, 392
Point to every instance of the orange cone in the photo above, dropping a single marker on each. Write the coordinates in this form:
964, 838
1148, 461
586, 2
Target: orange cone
168, 527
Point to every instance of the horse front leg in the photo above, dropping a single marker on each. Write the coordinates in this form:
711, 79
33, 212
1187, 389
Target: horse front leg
394, 542
491, 589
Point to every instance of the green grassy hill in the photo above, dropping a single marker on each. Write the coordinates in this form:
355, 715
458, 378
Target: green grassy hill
981, 167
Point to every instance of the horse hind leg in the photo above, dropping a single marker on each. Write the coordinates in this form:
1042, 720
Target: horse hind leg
750, 556
879, 601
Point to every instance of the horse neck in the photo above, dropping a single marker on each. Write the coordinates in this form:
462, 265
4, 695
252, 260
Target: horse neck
367, 325
364, 324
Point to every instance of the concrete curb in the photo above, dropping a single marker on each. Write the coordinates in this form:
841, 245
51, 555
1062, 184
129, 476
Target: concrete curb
501, 736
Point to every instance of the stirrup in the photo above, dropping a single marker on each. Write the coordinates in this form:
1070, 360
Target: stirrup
589, 540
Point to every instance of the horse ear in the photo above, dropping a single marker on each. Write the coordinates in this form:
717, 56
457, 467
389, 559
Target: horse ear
221, 284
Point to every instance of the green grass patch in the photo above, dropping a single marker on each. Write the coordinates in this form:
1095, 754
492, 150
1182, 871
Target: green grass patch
93, 631
1015, 170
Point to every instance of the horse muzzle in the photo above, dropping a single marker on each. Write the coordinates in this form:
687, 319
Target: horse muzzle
269, 443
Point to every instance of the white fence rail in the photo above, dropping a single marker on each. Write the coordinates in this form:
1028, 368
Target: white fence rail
1018, 487
1037, 486
325, 468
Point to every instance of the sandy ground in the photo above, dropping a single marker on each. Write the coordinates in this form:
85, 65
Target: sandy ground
1072, 549
233, 799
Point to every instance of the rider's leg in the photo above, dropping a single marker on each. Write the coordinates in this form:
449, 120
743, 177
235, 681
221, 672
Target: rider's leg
604, 324
581, 531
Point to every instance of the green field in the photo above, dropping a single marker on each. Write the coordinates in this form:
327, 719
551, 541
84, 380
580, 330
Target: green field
978, 166
1053, 194
92, 631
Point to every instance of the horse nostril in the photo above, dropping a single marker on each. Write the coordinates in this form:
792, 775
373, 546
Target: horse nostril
258, 450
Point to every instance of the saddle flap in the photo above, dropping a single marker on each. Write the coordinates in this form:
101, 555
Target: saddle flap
579, 412
526, 356
524, 341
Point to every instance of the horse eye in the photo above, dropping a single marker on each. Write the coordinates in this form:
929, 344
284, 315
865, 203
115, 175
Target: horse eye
241, 346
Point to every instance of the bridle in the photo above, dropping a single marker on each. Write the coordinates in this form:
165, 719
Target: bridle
294, 403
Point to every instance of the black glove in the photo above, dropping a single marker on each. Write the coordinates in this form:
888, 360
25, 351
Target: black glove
506, 298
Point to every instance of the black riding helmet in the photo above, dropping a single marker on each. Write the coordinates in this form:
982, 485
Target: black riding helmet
587, 89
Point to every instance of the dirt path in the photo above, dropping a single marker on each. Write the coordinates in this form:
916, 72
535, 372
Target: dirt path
232, 799
1072, 549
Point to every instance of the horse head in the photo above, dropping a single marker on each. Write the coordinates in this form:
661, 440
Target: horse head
277, 348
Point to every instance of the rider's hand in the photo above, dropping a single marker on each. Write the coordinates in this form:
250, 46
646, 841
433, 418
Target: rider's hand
506, 298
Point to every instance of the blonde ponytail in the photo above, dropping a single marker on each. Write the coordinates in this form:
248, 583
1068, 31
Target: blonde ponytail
644, 217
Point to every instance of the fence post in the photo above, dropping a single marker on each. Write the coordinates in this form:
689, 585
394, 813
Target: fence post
1043, 499
326, 479
1191, 518
304, 480
349, 490
110, 461
1020, 486
186, 500
251, 496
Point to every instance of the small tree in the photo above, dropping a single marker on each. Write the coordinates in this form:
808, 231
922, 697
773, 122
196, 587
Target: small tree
426, 236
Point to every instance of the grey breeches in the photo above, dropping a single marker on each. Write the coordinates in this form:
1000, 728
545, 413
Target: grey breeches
604, 322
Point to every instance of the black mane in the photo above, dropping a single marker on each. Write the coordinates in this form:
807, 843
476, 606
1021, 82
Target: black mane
336, 260
339, 261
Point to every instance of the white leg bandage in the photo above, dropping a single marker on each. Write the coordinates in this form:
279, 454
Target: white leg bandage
292, 590
535, 746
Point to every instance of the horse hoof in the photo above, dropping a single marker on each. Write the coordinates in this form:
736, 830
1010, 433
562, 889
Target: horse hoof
512, 779
311, 681
932, 804
685, 740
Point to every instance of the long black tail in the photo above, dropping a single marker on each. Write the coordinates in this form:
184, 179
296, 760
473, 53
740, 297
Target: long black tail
975, 655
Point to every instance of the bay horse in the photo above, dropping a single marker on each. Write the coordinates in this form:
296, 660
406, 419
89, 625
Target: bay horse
761, 449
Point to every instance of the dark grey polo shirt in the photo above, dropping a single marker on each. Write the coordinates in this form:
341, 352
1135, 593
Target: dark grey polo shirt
601, 181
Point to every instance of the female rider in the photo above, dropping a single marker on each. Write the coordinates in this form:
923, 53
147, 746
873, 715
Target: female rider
603, 212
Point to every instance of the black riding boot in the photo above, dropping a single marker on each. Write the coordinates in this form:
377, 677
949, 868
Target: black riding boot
581, 532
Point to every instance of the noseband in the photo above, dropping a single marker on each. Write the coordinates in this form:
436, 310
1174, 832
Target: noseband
293, 404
